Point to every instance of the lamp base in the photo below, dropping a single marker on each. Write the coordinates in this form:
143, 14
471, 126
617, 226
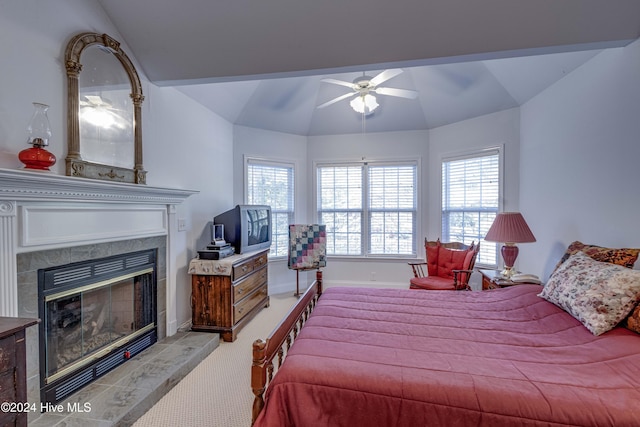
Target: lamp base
509, 254
37, 158
507, 272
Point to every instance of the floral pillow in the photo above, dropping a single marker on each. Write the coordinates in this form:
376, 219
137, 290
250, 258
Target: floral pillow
633, 321
598, 294
625, 257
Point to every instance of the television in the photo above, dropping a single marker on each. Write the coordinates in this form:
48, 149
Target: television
246, 227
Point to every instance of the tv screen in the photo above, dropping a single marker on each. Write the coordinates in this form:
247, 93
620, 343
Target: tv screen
258, 225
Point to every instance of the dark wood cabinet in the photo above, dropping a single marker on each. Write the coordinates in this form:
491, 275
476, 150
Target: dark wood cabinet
13, 375
228, 293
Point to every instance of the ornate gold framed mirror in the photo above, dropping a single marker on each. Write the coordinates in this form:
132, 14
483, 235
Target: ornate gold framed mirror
104, 111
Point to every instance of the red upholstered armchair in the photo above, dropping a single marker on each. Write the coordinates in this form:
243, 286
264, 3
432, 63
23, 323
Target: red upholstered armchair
449, 266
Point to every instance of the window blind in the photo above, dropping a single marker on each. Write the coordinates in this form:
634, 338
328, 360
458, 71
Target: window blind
392, 209
340, 208
273, 184
368, 208
470, 201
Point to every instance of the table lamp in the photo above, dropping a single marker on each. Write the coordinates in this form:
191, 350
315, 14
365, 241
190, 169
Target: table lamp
509, 228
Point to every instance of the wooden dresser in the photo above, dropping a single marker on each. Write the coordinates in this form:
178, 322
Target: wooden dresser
228, 293
13, 373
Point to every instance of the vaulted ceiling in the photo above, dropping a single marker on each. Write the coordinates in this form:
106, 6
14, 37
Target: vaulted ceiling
261, 64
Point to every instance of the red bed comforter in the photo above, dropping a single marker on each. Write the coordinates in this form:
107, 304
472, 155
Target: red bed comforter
383, 357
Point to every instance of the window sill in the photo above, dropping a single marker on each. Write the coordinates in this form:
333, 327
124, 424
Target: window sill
487, 266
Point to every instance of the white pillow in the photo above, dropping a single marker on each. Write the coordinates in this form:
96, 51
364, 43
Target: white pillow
598, 294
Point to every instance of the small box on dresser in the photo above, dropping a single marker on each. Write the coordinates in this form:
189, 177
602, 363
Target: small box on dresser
226, 294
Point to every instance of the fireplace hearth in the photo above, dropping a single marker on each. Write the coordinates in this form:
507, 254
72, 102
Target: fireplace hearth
96, 315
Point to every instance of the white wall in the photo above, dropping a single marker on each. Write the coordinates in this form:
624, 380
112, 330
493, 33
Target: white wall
34, 35
499, 129
580, 151
372, 146
257, 143
187, 146
181, 139
578, 144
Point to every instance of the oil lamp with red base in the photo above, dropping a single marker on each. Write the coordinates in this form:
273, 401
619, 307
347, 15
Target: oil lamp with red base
39, 130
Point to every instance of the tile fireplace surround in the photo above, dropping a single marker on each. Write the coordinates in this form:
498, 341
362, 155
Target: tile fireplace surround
45, 218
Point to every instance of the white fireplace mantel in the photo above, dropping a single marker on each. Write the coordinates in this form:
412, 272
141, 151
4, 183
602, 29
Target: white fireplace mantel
41, 210
20, 185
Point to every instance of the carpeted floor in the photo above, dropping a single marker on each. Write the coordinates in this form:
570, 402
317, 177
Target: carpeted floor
217, 392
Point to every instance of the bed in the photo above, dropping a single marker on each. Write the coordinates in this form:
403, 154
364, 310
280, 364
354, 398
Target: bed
392, 357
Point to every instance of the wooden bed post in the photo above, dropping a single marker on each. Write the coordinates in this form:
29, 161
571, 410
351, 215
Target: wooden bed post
258, 377
264, 351
319, 280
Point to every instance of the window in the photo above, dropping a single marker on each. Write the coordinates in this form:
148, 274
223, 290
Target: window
392, 209
271, 183
368, 208
470, 200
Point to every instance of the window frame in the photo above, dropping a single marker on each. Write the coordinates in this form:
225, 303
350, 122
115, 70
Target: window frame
472, 154
365, 246
275, 163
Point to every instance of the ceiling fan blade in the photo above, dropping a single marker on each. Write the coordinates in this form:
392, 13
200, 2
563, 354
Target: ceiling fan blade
385, 75
339, 82
403, 93
334, 100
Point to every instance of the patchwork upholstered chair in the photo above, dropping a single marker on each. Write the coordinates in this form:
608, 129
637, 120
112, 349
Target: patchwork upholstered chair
448, 266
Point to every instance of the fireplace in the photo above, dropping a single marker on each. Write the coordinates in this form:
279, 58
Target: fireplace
47, 220
95, 315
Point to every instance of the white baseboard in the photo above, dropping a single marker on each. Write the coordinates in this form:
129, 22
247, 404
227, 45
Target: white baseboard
185, 327
172, 327
283, 288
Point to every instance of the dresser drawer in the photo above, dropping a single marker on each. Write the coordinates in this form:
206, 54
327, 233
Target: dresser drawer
245, 306
245, 286
246, 267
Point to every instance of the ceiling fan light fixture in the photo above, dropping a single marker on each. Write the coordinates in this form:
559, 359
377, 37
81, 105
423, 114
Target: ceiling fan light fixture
364, 104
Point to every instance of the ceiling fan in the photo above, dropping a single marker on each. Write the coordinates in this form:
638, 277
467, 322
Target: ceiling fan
363, 89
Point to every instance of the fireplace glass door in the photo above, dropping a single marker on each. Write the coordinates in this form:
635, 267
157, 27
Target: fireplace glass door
96, 315
83, 324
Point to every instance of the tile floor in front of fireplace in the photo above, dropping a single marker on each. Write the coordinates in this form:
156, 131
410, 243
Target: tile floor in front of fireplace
123, 395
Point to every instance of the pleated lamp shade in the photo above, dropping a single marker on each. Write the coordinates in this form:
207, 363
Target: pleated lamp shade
510, 227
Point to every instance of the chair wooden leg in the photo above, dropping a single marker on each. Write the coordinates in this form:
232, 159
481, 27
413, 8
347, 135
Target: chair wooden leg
297, 294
